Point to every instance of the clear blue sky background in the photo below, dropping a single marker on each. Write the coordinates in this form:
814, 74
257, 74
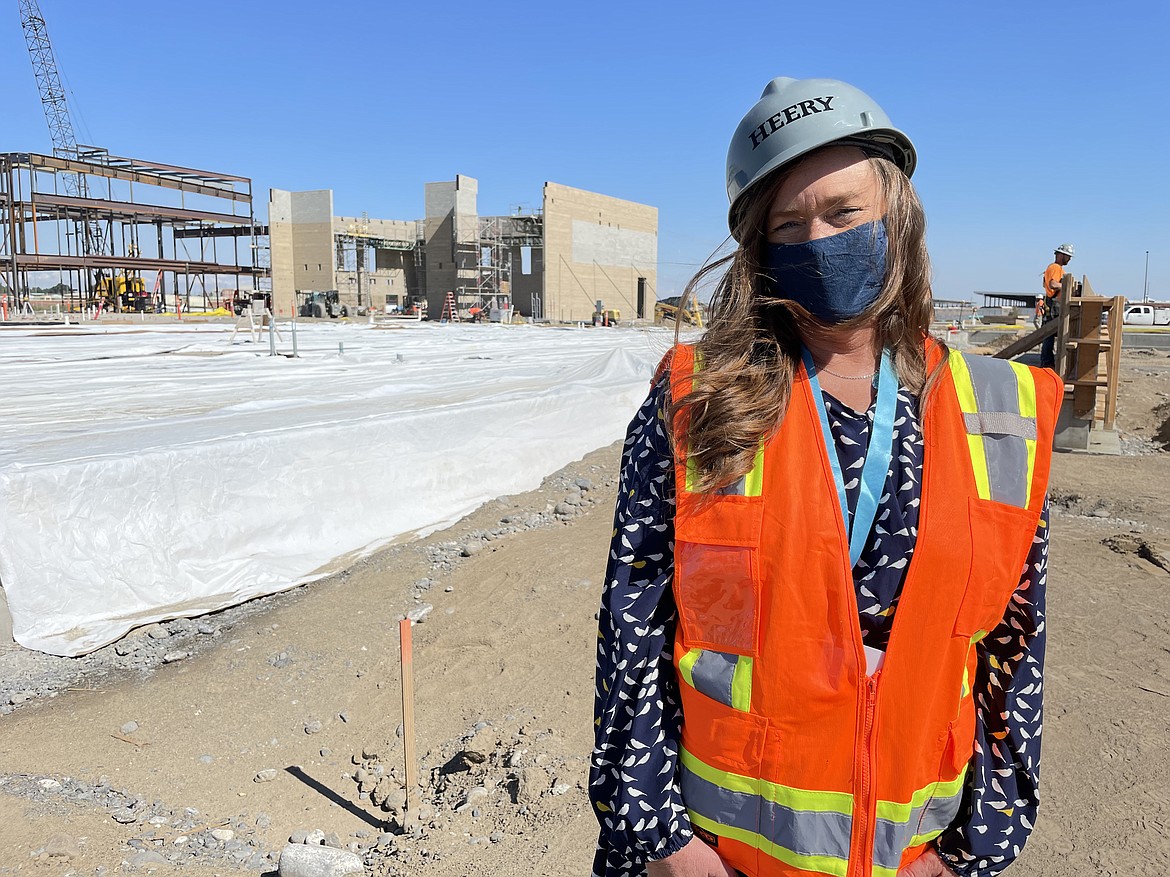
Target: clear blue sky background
1035, 122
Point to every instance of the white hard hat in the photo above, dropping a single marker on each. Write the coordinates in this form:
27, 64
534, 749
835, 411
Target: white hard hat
794, 117
1067, 249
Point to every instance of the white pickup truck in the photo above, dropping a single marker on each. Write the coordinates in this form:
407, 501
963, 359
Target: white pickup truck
1147, 315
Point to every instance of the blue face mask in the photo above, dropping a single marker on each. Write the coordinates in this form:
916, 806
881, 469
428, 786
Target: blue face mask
835, 278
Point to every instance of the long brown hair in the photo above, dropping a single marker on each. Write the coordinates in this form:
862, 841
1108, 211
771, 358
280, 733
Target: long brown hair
752, 345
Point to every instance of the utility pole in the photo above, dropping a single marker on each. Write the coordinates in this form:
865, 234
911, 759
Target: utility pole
1146, 282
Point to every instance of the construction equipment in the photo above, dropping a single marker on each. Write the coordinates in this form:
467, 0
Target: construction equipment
666, 311
607, 317
120, 293
322, 304
241, 300
416, 306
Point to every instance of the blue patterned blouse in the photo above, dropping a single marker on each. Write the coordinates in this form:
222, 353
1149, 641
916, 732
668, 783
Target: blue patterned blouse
633, 781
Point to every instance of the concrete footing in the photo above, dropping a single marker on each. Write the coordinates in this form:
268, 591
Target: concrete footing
1078, 434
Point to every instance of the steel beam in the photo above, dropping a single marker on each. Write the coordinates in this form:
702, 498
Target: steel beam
35, 160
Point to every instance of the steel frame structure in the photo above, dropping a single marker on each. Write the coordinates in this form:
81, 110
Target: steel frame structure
44, 226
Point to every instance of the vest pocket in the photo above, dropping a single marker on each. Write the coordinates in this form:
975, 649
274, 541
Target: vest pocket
723, 677
719, 775
718, 597
1001, 536
717, 572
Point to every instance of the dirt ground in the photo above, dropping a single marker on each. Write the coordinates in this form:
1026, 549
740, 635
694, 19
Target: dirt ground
288, 723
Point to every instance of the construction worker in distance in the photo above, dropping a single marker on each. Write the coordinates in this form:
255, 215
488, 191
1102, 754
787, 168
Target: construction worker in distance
798, 673
1050, 301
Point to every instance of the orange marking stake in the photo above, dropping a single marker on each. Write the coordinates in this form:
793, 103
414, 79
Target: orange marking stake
406, 661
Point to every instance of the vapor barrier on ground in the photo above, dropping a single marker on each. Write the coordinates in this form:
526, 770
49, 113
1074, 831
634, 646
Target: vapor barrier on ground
163, 471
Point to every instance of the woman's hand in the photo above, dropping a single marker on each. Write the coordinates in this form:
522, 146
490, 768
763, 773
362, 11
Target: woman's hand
696, 859
929, 864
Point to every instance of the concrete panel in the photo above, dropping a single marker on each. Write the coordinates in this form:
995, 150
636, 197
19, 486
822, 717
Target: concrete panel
451, 231
466, 211
301, 237
280, 239
313, 206
595, 248
439, 199
607, 245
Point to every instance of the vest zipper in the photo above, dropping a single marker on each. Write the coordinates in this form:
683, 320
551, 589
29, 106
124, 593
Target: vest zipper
862, 841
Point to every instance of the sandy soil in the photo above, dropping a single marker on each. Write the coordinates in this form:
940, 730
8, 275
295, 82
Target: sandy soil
260, 733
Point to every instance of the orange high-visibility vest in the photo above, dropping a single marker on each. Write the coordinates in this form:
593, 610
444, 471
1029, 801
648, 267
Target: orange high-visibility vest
793, 760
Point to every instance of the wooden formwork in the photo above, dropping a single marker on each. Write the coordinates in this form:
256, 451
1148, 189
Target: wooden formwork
1089, 350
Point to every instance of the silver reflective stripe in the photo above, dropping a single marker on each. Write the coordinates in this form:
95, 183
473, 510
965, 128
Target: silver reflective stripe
996, 393
939, 814
1007, 469
1000, 423
806, 832
736, 809
995, 383
891, 839
713, 673
736, 488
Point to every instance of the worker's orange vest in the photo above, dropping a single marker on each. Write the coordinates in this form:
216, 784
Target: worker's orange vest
793, 760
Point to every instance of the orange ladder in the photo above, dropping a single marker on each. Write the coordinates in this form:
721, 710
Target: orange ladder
450, 313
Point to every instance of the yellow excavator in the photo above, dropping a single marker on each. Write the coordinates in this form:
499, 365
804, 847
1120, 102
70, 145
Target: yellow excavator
122, 292
666, 311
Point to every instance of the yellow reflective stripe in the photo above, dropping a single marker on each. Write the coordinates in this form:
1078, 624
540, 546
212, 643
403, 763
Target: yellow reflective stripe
963, 385
896, 812
741, 685
879, 871
692, 470
821, 864
787, 796
754, 481
979, 635
979, 465
967, 404
686, 663
1026, 385
920, 839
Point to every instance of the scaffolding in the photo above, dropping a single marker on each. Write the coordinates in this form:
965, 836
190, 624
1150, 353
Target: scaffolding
486, 263
168, 234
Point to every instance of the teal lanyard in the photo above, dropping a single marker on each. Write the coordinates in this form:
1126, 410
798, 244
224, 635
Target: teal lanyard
877, 456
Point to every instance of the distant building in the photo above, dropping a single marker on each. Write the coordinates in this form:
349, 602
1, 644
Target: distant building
580, 248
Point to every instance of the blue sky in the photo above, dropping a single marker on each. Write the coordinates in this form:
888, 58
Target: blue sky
1036, 123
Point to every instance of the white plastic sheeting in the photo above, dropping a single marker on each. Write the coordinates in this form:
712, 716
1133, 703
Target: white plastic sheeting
160, 472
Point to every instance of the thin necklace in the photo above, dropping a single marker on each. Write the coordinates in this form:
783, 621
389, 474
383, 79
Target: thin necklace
846, 377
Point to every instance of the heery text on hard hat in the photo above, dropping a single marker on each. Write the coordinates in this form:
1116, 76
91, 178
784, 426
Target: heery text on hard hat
790, 114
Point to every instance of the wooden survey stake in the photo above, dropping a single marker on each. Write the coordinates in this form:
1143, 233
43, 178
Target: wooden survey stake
406, 661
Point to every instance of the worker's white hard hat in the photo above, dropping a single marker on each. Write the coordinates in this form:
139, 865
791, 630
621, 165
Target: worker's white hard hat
794, 117
1067, 249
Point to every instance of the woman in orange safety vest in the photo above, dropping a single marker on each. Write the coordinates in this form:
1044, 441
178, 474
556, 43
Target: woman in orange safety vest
803, 748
